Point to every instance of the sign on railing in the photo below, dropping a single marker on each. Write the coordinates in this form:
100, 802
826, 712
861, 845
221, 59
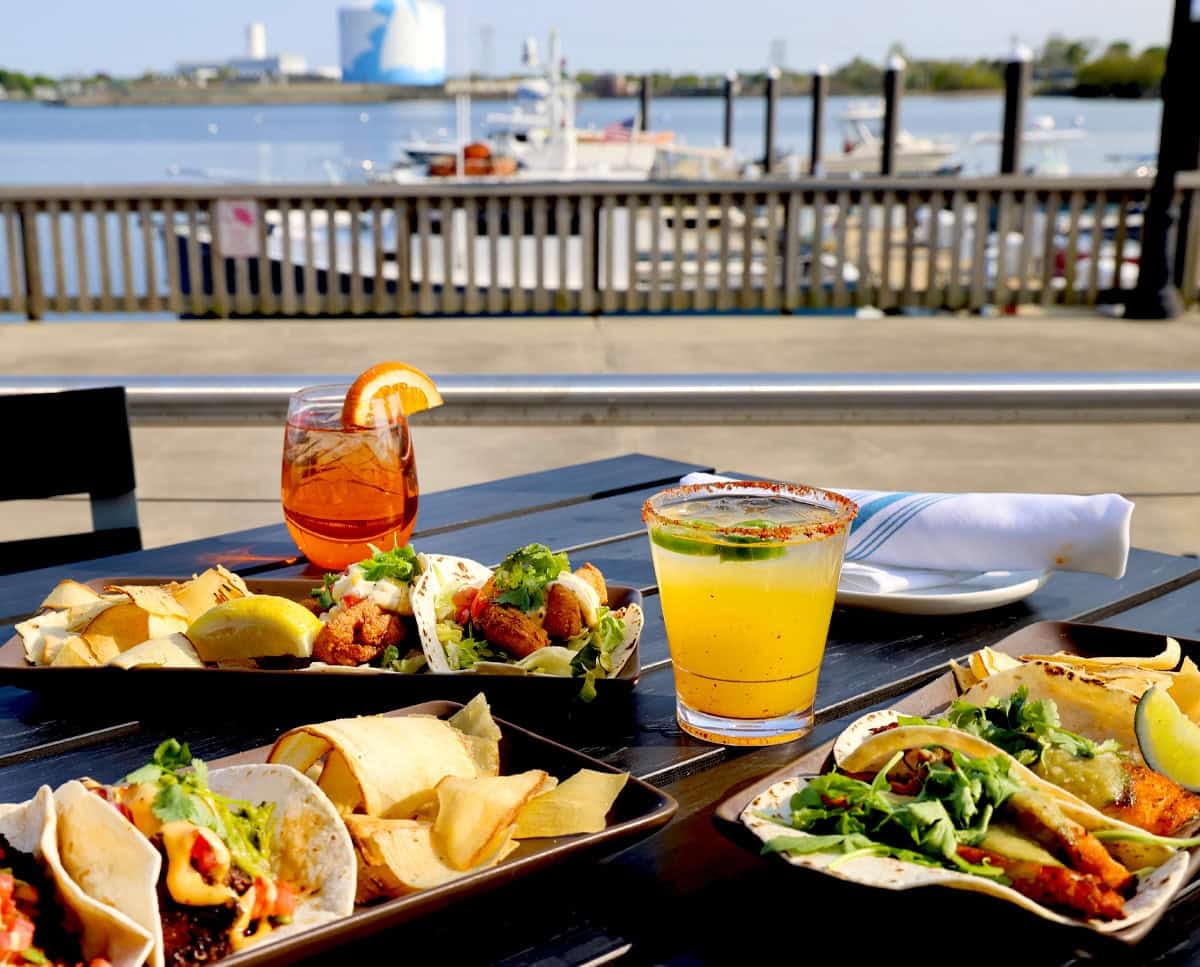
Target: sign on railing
454, 248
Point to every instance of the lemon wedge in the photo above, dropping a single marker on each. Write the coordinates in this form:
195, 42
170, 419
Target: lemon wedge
1169, 740
260, 626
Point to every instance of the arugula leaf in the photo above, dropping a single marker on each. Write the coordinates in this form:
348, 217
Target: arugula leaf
522, 577
400, 564
954, 806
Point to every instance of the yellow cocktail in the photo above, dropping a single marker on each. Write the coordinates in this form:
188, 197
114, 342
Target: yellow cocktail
747, 573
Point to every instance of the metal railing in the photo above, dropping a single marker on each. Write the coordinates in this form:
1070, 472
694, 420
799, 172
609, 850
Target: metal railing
691, 399
598, 247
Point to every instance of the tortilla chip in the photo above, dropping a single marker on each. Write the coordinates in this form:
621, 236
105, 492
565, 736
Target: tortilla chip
986, 662
577, 805
76, 652
70, 594
125, 625
474, 815
152, 599
174, 651
396, 857
36, 631
215, 586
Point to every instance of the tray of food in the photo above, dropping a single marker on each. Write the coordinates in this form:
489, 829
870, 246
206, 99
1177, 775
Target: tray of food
1056, 771
338, 830
399, 622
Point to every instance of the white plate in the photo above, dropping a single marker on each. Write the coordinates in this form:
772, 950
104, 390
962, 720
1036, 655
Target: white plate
987, 589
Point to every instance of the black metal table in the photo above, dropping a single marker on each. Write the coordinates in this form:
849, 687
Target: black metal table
690, 893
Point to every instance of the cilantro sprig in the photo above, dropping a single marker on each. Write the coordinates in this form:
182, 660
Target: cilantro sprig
324, 594
183, 794
399, 564
1023, 728
522, 577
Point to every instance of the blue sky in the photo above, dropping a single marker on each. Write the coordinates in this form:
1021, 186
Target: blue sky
128, 36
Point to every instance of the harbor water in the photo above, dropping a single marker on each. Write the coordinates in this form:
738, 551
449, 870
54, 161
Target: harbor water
335, 142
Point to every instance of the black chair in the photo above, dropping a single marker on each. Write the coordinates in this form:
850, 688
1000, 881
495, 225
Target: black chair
72, 442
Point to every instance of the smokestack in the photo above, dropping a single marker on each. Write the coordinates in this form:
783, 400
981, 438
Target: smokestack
256, 41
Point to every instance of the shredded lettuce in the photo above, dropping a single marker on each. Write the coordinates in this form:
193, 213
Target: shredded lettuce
554, 660
461, 651
410, 664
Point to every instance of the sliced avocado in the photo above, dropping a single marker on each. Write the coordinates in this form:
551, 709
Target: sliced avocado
1006, 841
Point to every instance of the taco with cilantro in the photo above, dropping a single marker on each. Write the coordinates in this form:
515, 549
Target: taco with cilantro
916, 806
45, 918
208, 863
532, 615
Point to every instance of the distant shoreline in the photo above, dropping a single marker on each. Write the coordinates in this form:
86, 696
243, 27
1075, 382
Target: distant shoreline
284, 94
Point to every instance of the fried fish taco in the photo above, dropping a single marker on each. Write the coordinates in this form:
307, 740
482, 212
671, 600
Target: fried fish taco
45, 918
1070, 732
533, 614
208, 863
917, 807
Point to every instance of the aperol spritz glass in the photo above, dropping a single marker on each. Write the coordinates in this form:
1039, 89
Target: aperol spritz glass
346, 487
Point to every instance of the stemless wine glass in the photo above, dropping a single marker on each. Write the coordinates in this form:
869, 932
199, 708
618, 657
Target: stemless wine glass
747, 573
345, 487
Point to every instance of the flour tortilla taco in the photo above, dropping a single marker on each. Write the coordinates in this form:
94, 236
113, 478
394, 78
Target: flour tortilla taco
1067, 731
533, 614
917, 806
44, 916
208, 863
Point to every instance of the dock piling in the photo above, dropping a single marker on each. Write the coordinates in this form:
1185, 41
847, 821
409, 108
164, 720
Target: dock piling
893, 89
820, 82
644, 109
1018, 74
771, 113
731, 90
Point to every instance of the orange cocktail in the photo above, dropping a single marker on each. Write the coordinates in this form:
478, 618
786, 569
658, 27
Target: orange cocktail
747, 573
347, 486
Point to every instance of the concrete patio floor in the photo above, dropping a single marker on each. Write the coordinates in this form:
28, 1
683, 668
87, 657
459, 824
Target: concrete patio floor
197, 481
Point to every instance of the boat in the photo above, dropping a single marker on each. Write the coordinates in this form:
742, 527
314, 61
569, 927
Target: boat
538, 132
862, 148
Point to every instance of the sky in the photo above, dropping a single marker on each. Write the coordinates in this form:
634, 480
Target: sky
126, 37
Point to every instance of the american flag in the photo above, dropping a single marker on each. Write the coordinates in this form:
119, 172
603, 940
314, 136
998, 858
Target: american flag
619, 130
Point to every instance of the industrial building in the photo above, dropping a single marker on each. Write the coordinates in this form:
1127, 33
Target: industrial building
393, 42
255, 64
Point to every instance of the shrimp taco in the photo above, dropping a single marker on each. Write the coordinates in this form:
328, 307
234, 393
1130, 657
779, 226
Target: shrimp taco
208, 863
45, 918
918, 806
533, 614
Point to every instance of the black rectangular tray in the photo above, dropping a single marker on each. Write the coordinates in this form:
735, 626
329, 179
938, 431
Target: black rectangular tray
265, 684
1041, 638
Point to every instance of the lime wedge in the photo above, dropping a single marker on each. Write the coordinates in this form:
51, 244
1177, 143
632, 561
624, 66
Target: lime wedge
260, 626
682, 544
1169, 740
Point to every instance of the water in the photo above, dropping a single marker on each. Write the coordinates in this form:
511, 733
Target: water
317, 143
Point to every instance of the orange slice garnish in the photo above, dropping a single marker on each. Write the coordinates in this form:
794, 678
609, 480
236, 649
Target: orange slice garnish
395, 385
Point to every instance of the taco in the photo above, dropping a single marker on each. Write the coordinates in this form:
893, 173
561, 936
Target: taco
45, 918
208, 863
367, 613
1067, 729
533, 614
917, 806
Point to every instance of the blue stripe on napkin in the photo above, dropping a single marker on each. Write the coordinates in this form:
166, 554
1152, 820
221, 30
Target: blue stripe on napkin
890, 527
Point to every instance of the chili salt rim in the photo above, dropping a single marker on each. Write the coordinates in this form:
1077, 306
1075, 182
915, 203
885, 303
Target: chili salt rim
846, 510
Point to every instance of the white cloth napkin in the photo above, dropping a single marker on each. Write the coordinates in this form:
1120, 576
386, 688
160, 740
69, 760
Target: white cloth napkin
906, 541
